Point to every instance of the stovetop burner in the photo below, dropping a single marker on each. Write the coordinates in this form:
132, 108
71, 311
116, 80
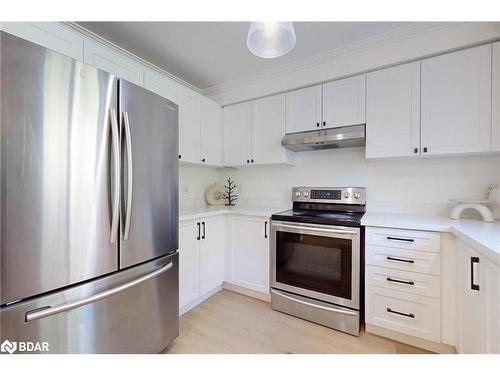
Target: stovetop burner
333, 206
350, 219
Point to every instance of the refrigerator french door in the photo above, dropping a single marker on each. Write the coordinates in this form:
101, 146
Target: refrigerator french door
89, 214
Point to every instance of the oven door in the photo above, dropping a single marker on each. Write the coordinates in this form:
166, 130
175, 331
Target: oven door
317, 261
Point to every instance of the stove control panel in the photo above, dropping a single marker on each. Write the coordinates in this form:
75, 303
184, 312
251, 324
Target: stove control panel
342, 195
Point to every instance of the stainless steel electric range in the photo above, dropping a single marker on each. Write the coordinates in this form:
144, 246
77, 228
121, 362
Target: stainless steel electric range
316, 257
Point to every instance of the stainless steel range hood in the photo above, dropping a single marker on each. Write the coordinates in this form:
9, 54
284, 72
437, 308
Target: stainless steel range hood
346, 136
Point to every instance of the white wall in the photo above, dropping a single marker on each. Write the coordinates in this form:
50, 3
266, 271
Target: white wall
195, 179
402, 185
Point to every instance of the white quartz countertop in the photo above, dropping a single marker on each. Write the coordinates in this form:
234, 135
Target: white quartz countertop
484, 237
195, 213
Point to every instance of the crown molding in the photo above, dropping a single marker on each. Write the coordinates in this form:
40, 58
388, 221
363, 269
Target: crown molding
397, 35
91, 35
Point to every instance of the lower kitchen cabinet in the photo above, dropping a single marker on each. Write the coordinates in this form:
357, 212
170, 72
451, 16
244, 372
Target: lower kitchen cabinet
478, 293
212, 253
248, 253
201, 259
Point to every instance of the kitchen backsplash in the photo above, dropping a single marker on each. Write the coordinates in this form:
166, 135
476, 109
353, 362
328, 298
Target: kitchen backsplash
419, 186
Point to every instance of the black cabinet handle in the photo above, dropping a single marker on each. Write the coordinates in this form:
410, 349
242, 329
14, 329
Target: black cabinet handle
251, 160
324, 123
401, 260
203, 236
415, 150
401, 239
400, 281
265, 229
180, 156
472, 261
317, 124
199, 232
248, 161
410, 315
425, 149
203, 160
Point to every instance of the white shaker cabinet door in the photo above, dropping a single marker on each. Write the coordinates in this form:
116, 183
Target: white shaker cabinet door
303, 109
189, 103
490, 280
495, 131
189, 263
471, 327
344, 102
211, 133
113, 62
393, 112
237, 134
456, 102
212, 253
50, 35
268, 130
248, 253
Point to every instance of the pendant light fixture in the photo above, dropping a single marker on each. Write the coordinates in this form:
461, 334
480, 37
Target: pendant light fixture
271, 39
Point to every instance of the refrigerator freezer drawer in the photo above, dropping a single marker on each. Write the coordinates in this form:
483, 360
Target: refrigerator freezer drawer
132, 311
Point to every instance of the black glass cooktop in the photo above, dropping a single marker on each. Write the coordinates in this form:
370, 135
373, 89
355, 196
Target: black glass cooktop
350, 219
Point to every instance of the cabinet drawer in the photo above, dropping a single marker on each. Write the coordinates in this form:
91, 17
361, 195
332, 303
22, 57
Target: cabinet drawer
403, 312
403, 281
404, 239
405, 260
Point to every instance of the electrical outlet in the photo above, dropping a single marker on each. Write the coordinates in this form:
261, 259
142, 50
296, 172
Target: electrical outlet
185, 189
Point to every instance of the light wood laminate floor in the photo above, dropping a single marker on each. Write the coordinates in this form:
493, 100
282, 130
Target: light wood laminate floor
229, 322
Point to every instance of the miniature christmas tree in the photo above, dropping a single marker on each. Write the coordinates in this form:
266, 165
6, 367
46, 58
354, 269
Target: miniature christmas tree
231, 185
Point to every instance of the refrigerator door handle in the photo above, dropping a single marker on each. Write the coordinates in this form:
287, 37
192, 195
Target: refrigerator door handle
116, 194
130, 176
49, 310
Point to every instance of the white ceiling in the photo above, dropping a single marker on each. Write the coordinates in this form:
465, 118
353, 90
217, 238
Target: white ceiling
206, 54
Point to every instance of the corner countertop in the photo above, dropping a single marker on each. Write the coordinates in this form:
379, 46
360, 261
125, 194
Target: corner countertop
484, 237
259, 211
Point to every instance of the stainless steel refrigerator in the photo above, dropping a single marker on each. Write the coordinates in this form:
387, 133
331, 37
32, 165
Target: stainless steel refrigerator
89, 207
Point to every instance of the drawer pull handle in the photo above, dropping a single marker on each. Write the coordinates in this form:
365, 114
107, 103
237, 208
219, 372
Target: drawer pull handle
410, 315
400, 281
401, 239
401, 260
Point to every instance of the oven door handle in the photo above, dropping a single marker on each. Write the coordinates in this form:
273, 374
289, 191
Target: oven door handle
332, 309
316, 229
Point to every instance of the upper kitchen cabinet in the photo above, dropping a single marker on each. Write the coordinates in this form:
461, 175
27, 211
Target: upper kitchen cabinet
268, 128
211, 133
161, 84
113, 62
393, 112
344, 102
189, 103
495, 132
456, 102
303, 109
237, 130
49, 35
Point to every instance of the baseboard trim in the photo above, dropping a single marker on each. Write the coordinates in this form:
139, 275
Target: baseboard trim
202, 298
247, 292
410, 340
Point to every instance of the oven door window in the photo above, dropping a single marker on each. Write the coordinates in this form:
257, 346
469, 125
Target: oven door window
317, 263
